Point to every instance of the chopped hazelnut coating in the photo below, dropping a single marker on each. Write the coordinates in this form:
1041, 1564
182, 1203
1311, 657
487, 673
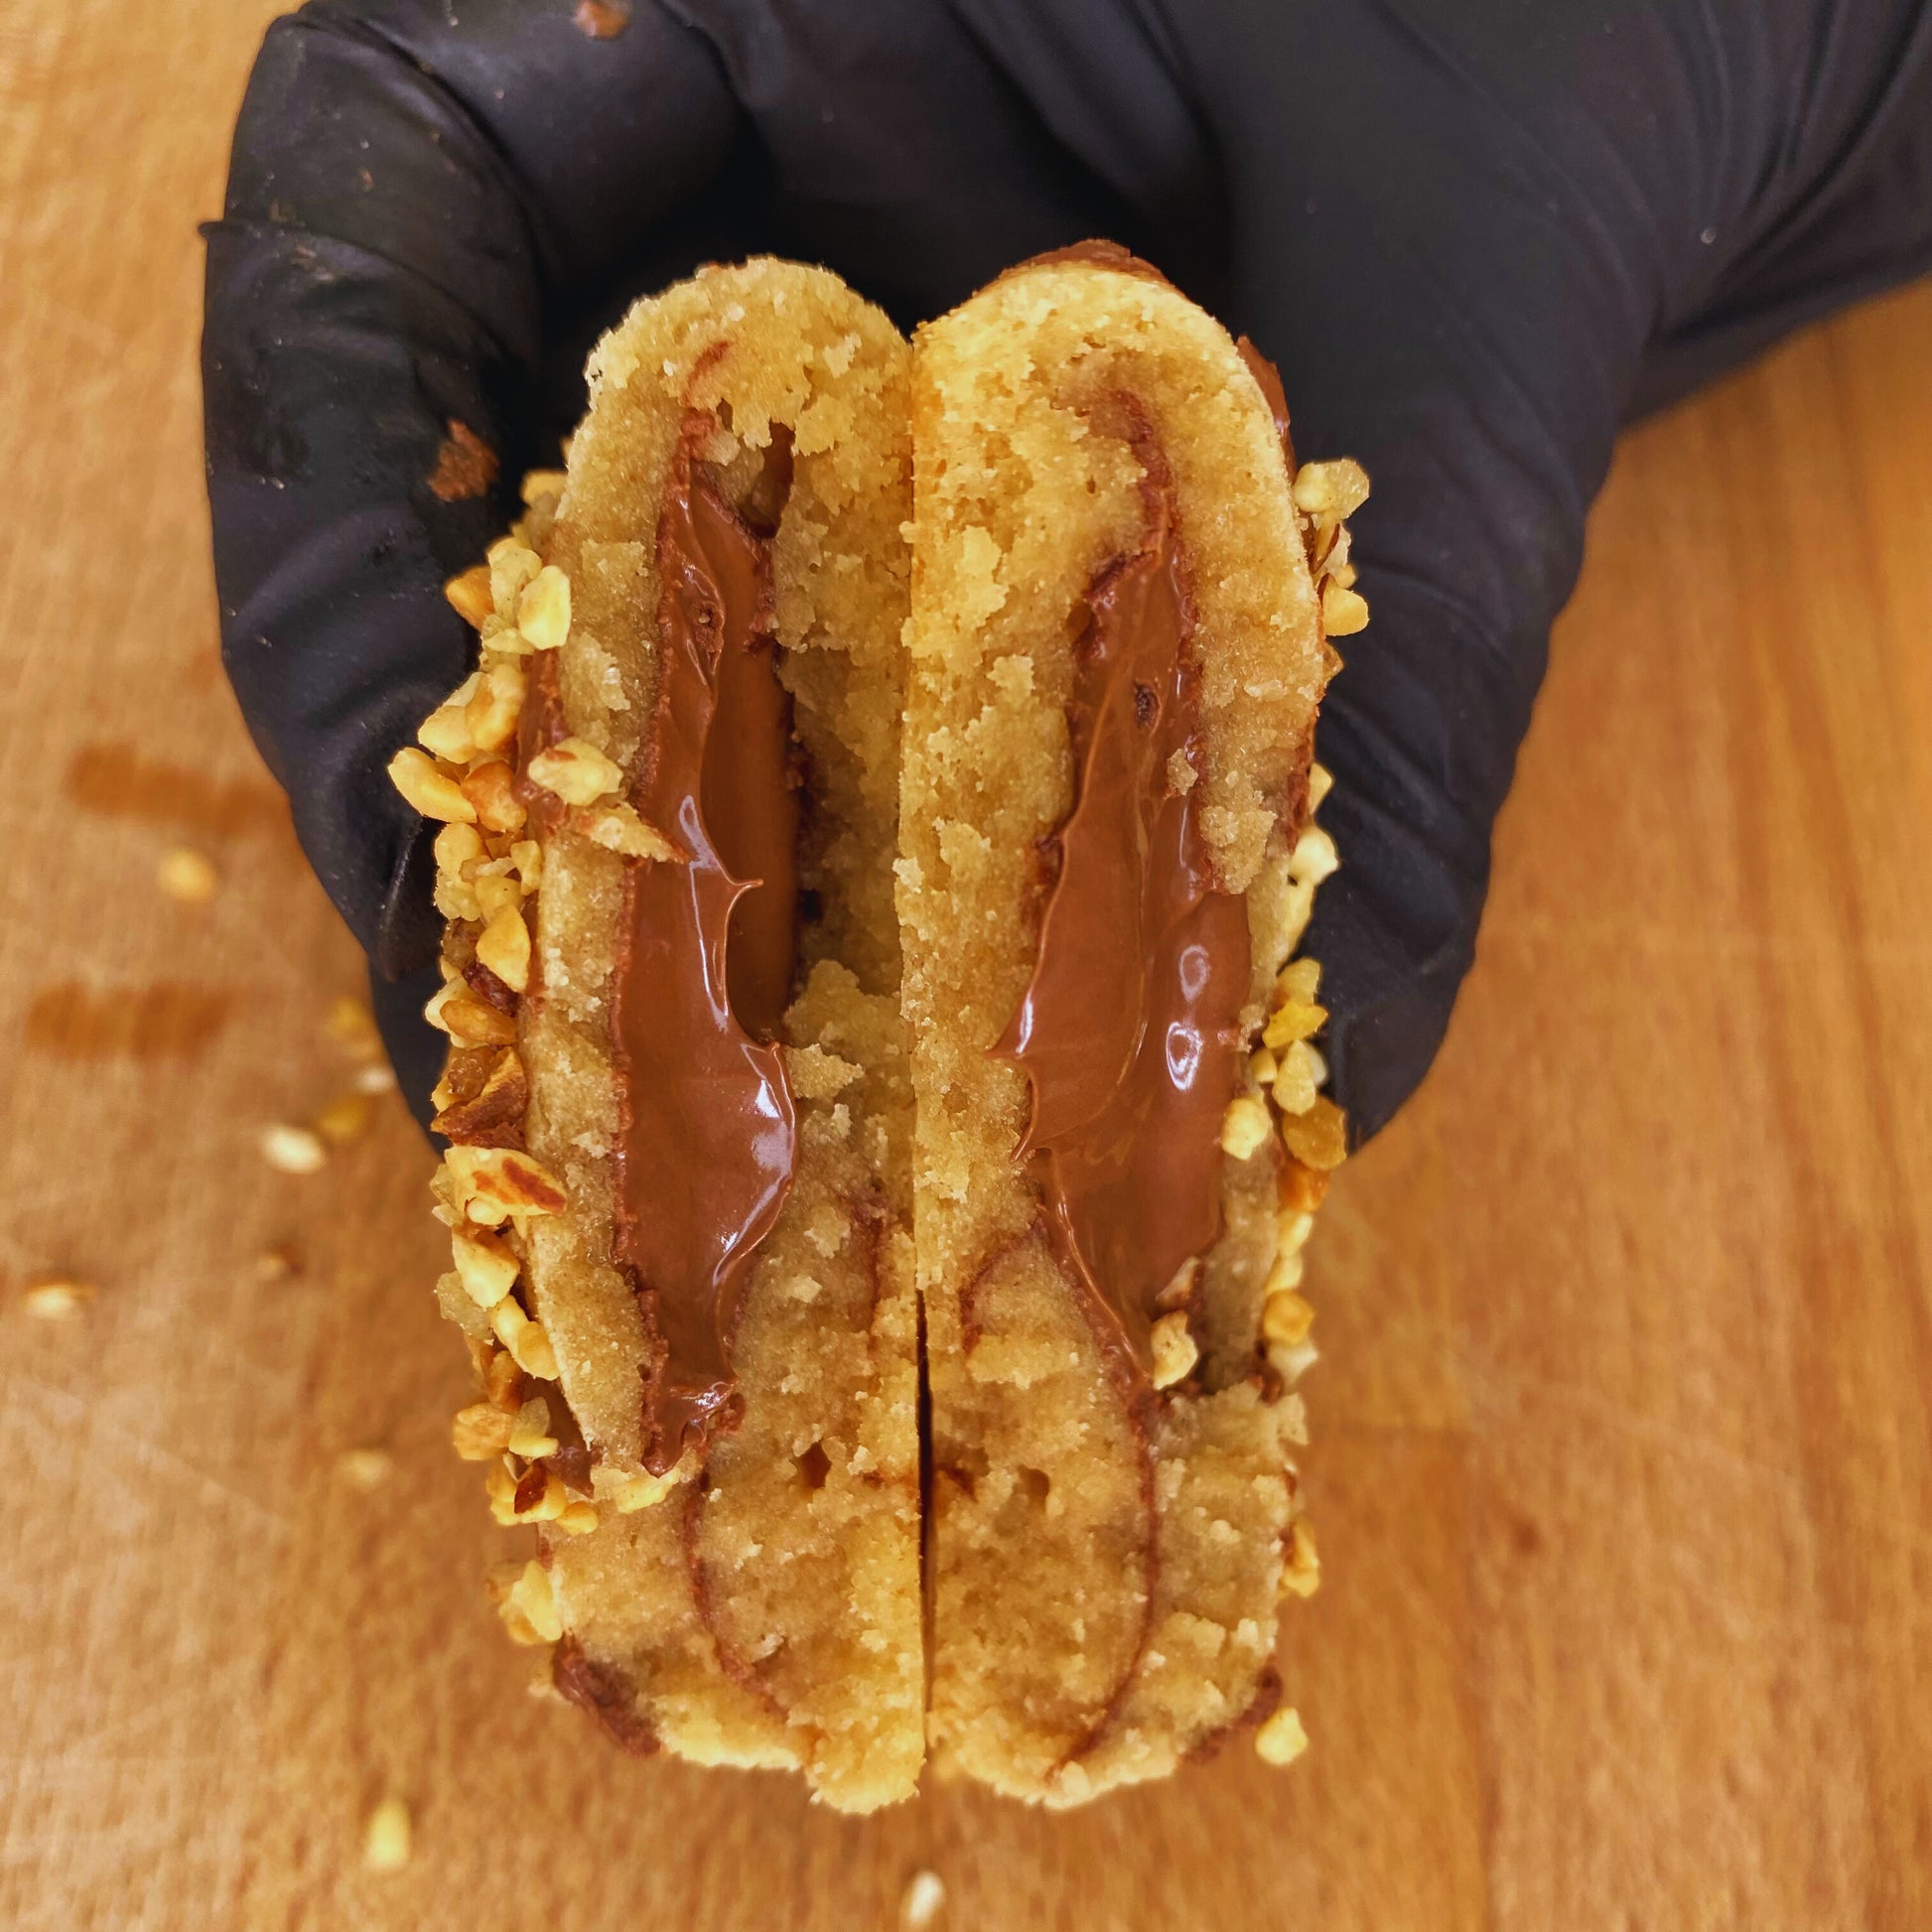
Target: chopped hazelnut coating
543, 610
576, 771
428, 787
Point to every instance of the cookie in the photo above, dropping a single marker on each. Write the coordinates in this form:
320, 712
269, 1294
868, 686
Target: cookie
1118, 650
678, 1096
882, 1093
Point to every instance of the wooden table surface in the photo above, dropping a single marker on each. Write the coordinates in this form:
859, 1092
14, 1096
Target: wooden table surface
1622, 1464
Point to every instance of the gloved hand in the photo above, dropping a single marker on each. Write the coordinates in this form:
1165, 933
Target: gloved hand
1477, 237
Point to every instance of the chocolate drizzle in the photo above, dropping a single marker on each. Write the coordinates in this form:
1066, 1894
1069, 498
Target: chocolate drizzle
708, 949
1129, 1029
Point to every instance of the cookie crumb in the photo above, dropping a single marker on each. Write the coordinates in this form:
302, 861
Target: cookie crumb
278, 1263
366, 1469
1280, 1738
352, 1026
186, 876
343, 1120
386, 1839
292, 1150
57, 1300
925, 1893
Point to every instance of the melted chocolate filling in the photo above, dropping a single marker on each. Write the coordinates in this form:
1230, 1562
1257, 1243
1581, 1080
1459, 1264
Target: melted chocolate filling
1130, 1028
708, 947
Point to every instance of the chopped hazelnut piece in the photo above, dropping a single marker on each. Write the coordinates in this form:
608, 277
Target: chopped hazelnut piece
1286, 1271
468, 1021
531, 1435
292, 1150
494, 1183
1295, 1018
387, 1838
496, 705
1302, 1187
576, 771
489, 789
1174, 1352
57, 1300
1280, 1738
1286, 1317
429, 788
538, 483
578, 1519
1245, 1128
487, 1266
1315, 856
1294, 1085
481, 1433
1344, 611
1181, 1285
1291, 1363
543, 611
446, 731
505, 947
1301, 1573
528, 1341
470, 596
1318, 1138
532, 1595
457, 847
502, 1377
1330, 489
186, 876
513, 566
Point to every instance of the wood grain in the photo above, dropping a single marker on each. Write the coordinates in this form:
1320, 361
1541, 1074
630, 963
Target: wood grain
1623, 1467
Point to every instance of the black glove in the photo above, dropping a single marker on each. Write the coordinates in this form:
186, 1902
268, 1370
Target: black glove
1477, 236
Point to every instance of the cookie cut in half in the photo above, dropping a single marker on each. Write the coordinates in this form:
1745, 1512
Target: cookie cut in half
875, 840
677, 1093
1117, 654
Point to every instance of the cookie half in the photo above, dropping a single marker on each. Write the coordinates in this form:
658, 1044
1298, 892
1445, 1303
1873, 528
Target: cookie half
1118, 650
678, 1094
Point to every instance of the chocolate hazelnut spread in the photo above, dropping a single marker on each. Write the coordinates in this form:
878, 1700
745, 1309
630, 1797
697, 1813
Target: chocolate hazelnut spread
707, 951
1130, 1028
